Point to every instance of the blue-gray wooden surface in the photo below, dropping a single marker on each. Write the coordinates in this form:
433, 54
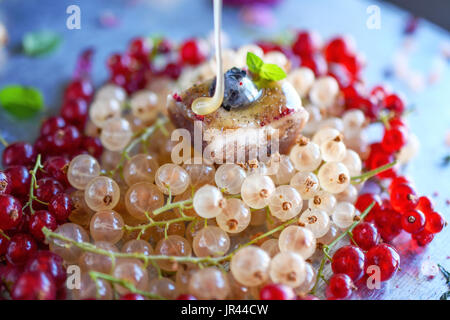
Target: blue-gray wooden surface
194, 17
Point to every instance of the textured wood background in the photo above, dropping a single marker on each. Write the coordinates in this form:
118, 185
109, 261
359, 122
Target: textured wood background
179, 19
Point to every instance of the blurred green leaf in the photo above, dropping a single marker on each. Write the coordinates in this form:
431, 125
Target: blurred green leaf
40, 42
21, 102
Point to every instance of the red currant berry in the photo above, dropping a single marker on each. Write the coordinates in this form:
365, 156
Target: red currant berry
423, 238
403, 198
316, 63
60, 207
47, 188
92, 145
79, 89
379, 92
172, 70
56, 167
5, 183
413, 221
3, 245
34, 285
349, 260
276, 292
21, 248
165, 46
75, 112
9, 274
140, 48
52, 124
338, 48
118, 63
65, 140
394, 139
341, 74
39, 220
397, 122
268, 46
394, 103
425, 205
366, 235
389, 223
386, 258
364, 201
398, 180
132, 296
191, 52
306, 43
340, 286
20, 180
186, 297
435, 222
19, 153
353, 63
379, 159
10, 212
50, 263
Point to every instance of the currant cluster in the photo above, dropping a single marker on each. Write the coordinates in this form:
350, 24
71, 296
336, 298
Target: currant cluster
98, 189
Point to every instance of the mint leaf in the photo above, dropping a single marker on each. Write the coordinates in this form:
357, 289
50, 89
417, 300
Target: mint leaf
21, 102
272, 72
254, 63
40, 42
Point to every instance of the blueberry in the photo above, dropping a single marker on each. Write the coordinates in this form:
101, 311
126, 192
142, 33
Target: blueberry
240, 91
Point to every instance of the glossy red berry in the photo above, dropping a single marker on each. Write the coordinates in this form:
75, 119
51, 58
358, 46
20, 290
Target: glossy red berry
186, 297
398, 180
379, 92
386, 258
60, 207
413, 221
140, 48
435, 222
75, 112
64, 140
20, 180
18, 153
10, 212
47, 188
41, 219
118, 63
403, 198
338, 48
34, 285
366, 235
364, 201
9, 274
389, 223
172, 70
394, 103
92, 145
394, 139
4, 242
5, 183
52, 124
276, 292
56, 167
50, 263
425, 205
350, 261
306, 43
79, 89
132, 296
379, 159
21, 248
423, 238
191, 52
340, 286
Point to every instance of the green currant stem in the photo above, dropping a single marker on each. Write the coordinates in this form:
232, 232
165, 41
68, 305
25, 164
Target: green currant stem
3, 141
326, 248
140, 137
4, 235
369, 174
126, 284
33, 185
158, 223
182, 205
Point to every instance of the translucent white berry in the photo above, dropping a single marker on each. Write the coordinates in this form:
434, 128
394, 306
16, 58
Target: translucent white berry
257, 190
285, 203
208, 202
317, 221
344, 214
229, 177
334, 177
305, 156
306, 183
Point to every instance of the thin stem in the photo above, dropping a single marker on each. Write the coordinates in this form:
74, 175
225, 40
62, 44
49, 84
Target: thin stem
4, 235
124, 283
33, 185
327, 248
139, 138
3, 141
182, 205
369, 174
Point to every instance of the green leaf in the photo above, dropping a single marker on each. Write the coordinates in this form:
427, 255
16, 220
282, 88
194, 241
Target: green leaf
254, 63
21, 102
40, 42
445, 273
272, 72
